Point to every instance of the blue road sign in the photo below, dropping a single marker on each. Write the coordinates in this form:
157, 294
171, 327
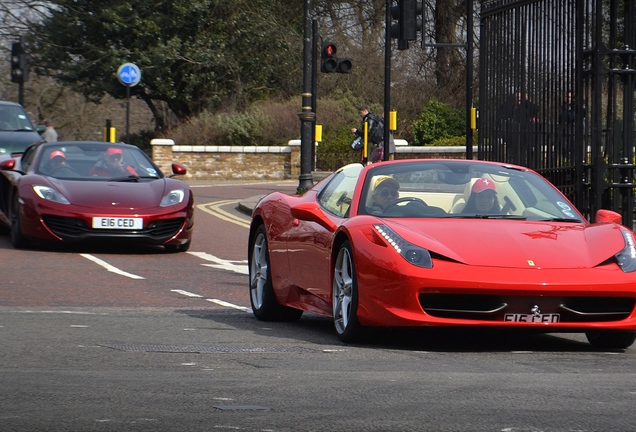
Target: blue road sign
129, 74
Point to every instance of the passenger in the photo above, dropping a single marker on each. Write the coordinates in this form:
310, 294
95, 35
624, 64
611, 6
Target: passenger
111, 165
483, 198
385, 189
58, 166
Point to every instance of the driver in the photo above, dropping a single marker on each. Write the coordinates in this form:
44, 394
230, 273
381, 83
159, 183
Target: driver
385, 189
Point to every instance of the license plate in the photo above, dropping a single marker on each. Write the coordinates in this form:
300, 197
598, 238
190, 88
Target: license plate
532, 318
118, 223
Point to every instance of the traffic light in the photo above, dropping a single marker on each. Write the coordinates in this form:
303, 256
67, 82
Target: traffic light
19, 71
407, 13
329, 62
328, 59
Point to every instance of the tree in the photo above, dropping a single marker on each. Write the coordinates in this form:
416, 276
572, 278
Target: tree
195, 55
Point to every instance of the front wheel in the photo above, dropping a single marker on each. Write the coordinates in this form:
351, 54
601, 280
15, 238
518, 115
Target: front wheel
611, 339
18, 239
345, 296
262, 297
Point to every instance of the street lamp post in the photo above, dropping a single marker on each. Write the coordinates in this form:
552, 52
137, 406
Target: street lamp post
307, 115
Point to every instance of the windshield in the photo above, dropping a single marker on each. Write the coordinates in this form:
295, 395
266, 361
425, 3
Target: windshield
462, 189
97, 162
13, 118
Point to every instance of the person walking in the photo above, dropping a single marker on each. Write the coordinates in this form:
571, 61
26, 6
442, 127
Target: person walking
49, 134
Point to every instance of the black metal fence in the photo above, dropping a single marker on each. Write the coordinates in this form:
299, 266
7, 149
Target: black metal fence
556, 94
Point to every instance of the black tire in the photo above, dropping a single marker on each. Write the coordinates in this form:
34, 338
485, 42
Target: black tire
179, 248
344, 297
18, 239
611, 339
264, 304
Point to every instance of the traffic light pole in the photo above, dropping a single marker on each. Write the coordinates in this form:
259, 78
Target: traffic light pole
306, 115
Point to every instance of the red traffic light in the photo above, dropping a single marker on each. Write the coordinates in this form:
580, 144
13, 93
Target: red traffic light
329, 50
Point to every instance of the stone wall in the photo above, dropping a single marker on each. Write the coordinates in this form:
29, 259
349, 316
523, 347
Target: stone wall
259, 163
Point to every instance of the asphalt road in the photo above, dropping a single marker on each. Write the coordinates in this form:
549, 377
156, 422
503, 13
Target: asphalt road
87, 348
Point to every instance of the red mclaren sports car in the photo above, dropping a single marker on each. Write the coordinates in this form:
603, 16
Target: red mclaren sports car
443, 243
71, 192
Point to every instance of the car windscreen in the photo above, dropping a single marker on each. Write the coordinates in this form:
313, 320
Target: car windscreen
460, 189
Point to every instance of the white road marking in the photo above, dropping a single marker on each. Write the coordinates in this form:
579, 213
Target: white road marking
222, 264
109, 267
230, 305
186, 293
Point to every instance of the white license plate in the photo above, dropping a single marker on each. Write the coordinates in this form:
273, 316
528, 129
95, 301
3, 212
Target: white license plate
118, 223
532, 318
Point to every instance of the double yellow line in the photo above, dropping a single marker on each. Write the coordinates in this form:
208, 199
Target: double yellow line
214, 208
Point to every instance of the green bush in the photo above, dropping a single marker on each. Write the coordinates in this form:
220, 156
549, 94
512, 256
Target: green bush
438, 121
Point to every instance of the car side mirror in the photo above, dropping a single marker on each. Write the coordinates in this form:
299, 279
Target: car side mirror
309, 211
608, 216
178, 169
7, 164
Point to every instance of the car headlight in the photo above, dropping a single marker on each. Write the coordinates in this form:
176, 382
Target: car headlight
412, 253
626, 258
173, 197
50, 194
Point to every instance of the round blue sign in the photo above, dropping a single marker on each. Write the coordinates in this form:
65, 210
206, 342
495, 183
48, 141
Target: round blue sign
129, 74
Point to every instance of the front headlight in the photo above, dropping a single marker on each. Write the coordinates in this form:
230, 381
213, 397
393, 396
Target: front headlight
414, 254
50, 194
173, 197
626, 258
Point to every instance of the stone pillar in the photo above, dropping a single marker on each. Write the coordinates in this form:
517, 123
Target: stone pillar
162, 154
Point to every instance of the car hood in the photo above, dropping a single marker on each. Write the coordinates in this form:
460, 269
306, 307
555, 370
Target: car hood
109, 195
17, 141
513, 243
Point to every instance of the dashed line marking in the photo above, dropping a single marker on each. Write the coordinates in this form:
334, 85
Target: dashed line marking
230, 305
186, 293
217, 301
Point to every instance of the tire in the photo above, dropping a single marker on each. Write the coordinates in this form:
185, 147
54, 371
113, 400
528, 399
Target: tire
345, 296
611, 339
18, 239
264, 304
179, 248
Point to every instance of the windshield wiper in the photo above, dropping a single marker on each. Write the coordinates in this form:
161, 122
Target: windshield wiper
560, 219
487, 216
130, 178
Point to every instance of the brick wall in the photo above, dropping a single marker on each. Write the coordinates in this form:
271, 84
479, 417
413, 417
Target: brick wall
256, 162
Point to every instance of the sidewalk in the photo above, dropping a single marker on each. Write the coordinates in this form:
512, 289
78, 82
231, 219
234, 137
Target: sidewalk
247, 205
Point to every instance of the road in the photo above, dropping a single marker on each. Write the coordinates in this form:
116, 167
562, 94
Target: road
99, 339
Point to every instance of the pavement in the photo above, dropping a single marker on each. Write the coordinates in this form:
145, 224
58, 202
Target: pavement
247, 205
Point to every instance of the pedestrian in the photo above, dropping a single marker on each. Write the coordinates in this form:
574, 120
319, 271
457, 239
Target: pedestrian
49, 134
375, 130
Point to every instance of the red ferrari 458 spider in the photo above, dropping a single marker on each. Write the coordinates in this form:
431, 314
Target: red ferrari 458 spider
70, 192
443, 243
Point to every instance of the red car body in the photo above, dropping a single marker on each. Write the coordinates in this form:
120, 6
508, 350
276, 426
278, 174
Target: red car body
75, 206
536, 265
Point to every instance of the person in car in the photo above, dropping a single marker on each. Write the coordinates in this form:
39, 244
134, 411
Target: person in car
385, 189
112, 165
483, 198
58, 167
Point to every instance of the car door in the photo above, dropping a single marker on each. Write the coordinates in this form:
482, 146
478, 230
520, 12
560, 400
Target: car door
309, 244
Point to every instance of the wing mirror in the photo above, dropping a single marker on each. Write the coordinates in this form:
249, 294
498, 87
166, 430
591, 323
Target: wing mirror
178, 169
309, 211
7, 164
608, 216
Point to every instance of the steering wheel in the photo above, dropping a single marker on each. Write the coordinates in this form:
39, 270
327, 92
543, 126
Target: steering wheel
395, 202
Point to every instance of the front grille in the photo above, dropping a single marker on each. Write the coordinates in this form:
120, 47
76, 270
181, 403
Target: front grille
494, 307
71, 229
